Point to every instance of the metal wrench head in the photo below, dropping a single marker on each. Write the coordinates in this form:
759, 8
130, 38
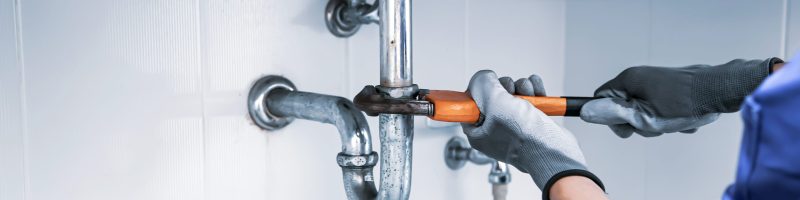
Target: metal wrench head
373, 103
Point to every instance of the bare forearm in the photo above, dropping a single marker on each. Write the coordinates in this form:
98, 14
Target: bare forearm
777, 66
576, 187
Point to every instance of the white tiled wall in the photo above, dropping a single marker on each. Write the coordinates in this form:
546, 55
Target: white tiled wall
145, 99
12, 168
604, 37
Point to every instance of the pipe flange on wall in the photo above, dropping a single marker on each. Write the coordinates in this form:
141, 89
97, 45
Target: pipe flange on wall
457, 153
257, 106
345, 17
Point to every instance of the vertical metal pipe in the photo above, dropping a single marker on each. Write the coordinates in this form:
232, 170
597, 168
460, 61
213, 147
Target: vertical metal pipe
397, 134
395, 36
396, 131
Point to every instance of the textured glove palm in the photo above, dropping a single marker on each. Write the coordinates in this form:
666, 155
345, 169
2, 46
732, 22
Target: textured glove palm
656, 100
515, 132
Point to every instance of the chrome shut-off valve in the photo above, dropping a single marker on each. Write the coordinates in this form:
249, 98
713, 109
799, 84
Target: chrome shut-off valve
457, 152
344, 17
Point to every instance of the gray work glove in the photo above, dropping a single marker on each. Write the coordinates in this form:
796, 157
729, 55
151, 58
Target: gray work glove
655, 100
515, 132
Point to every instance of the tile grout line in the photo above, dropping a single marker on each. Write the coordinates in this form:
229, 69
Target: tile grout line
23, 96
784, 30
466, 73
649, 59
203, 122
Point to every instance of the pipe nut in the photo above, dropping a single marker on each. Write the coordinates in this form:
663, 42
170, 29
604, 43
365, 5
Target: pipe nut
357, 161
256, 102
399, 92
499, 178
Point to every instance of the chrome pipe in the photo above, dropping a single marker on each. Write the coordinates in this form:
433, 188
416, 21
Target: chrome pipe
395, 34
457, 152
479, 158
357, 176
396, 134
351, 123
356, 158
396, 131
499, 173
499, 177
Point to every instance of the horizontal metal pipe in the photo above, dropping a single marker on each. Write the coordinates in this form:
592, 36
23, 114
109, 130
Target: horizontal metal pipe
353, 128
477, 157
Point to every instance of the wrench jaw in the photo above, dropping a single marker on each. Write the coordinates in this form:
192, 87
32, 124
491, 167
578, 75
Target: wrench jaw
373, 102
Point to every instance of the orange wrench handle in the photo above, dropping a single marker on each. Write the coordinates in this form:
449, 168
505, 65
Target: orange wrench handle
452, 106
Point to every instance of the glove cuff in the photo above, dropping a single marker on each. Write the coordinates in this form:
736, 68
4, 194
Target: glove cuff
572, 172
543, 165
722, 88
772, 62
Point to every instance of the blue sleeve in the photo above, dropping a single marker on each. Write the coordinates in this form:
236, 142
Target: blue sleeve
769, 157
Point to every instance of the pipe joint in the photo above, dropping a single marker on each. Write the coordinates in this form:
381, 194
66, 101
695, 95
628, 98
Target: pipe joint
457, 153
345, 17
274, 101
407, 92
357, 161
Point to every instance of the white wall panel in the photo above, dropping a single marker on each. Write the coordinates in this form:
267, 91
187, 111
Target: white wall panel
793, 29
603, 38
115, 102
517, 38
439, 63
12, 179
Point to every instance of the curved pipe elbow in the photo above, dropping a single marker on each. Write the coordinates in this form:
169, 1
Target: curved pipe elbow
351, 123
357, 158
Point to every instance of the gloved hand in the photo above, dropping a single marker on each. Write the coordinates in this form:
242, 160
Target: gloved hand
515, 132
655, 100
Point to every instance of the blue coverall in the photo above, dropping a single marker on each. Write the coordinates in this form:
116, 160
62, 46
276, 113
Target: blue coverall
769, 158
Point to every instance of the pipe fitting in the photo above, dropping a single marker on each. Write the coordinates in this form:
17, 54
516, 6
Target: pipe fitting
345, 17
256, 102
399, 92
457, 152
357, 161
499, 173
274, 102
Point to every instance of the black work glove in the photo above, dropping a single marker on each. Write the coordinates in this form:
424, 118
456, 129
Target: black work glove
655, 100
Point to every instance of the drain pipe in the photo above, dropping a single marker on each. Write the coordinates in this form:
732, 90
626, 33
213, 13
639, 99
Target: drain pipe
396, 131
274, 102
